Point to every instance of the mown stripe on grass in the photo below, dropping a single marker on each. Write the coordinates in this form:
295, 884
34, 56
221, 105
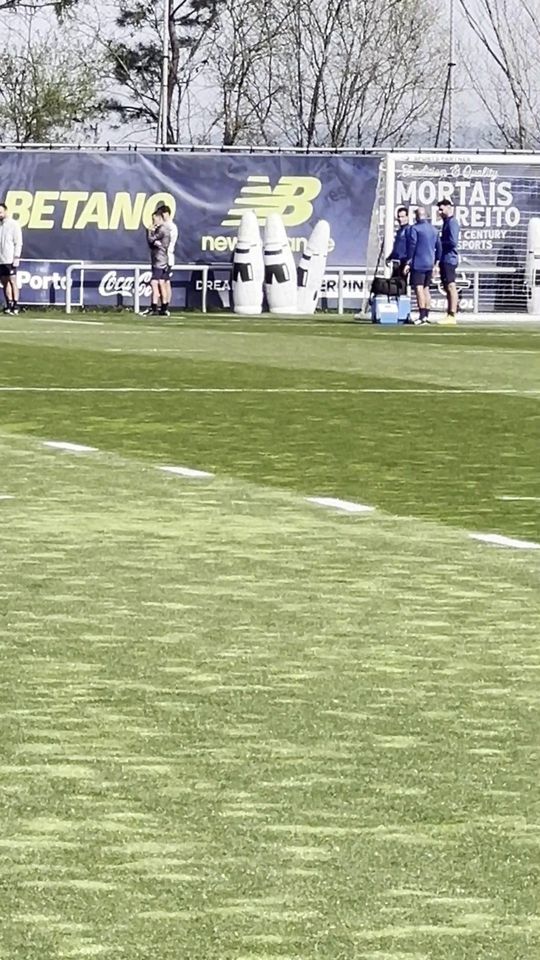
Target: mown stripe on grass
346, 506
498, 540
70, 447
187, 472
421, 391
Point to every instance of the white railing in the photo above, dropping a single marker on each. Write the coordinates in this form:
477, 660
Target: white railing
204, 269
480, 156
21, 270
338, 295
137, 268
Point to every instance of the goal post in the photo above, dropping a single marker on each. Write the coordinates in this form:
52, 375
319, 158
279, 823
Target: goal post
496, 196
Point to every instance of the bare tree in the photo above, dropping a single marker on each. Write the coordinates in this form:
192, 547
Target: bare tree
508, 85
306, 73
59, 7
378, 84
322, 72
243, 84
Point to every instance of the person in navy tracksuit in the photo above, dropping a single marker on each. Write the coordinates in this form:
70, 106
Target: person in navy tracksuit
423, 252
449, 256
398, 254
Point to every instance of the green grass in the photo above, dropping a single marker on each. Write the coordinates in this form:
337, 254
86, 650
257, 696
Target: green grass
237, 726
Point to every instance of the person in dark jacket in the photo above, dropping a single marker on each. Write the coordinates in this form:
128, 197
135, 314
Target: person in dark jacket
423, 252
449, 257
398, 254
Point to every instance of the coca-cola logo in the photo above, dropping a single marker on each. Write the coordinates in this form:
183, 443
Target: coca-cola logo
113, 284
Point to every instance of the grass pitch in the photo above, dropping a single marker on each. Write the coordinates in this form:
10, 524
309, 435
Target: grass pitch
239, 726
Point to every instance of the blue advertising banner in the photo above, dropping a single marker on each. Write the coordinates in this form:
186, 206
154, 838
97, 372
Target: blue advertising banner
94, 206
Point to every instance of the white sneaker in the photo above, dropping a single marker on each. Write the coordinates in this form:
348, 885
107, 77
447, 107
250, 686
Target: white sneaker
417, 322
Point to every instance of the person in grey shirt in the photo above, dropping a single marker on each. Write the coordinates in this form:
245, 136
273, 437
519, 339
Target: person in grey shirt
10, 256
159, 240
167, 218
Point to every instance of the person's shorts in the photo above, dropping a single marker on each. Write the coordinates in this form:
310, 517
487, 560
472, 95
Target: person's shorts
421, 278
448, 273
161, 273
7, 270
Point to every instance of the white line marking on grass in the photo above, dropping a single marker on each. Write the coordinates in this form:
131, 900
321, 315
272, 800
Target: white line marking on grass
334, 503
443, 391
509, 497
345, 505
72, 447
90, 323
187, 472
501, 541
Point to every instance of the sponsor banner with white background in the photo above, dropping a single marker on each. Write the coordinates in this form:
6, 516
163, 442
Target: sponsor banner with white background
495, 197
45, 283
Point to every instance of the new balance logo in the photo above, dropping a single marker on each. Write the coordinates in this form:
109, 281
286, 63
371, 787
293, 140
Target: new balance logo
291, 198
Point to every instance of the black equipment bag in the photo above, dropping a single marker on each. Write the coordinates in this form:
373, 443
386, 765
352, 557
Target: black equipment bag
391, 287
387, 287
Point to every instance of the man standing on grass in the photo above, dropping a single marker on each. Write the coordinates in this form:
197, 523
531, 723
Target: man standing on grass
167, 218
423, 252
449, 258
10, 257
159, 241
398, 254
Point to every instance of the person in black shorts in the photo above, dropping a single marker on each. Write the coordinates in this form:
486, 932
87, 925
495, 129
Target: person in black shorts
449, 258
159, 241
10, 255
423, 252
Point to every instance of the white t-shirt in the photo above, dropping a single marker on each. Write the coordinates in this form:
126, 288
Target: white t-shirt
174, 238
11, 240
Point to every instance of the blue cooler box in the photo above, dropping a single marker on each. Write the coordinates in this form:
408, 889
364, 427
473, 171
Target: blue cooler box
384, 310
404, 309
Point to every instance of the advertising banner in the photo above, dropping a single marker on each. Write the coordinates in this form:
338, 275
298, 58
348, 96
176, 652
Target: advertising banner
44, 283
494, 197
95, 206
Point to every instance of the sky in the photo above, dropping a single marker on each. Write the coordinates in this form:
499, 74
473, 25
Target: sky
468, 112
